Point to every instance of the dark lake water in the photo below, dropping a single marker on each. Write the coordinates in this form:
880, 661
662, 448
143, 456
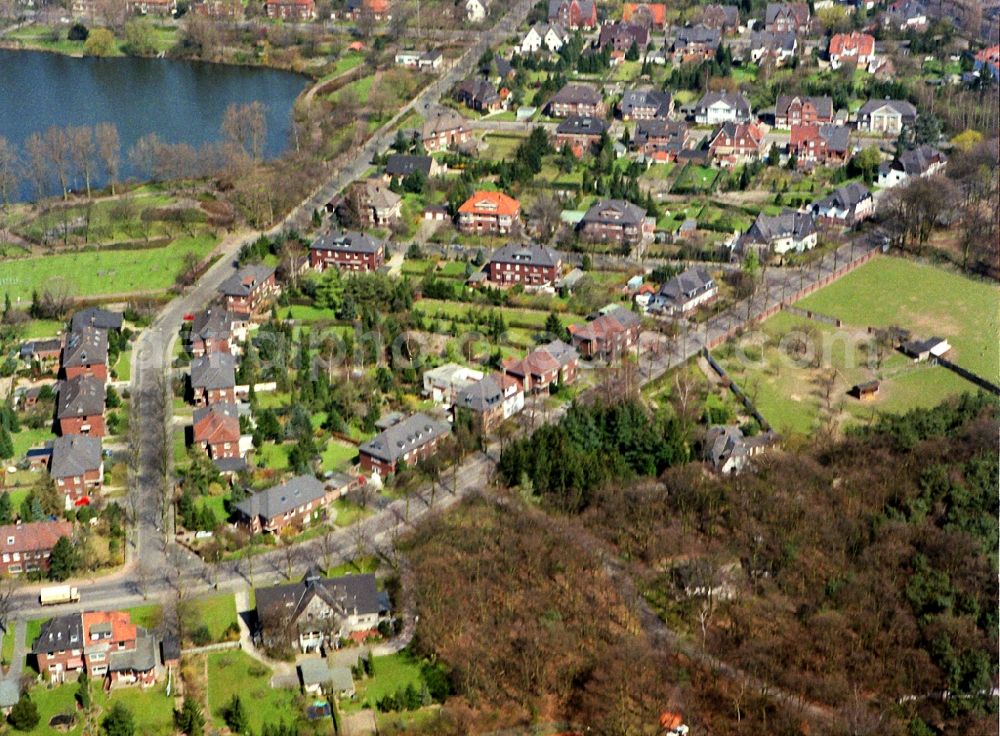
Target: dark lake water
182, 102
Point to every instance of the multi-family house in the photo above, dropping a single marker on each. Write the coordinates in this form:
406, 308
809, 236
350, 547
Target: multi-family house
726, 18
787, 17
443, 383
27, 547
410, 440
580, 133
372, 203
249, 289
216, 330
716, 108
616, 220
213, 379
77, 468
290, 9
651, 15
779, 48
608, 336
540, 36
490, 402
294, 502
349, 251
85, 354
116, 649
857, 49
622, 36
445, 130
528, 265
788, 231
921, 161
845, 206
694, 43
734, 144
645, 104
58, 650
80, 406
825, 145
886, 117
216, 430
576, 98
493, 212
554, 363
792, 110
660, 140
573, 14
685, 292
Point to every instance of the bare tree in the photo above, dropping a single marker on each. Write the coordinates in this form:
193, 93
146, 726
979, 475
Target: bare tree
110, 149
544, 215
9, 167
37, 165
57, 147
144, 154
143, 577
327, 547
246, 126
83, 151
8, 603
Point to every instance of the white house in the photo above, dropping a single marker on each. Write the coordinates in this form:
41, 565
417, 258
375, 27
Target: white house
685, 292
475, 10
921, 161
716, 108
543, 35
443, 383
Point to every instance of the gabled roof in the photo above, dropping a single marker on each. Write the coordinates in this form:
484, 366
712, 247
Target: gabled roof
490, 203
586, 7
530, 254
116, 623
443, 121
399, 439
547, 358
902, 107
687, 285
822, 105
717, 15
141, 658
917, 161
734, 100
59, 633
213, 371
846, 197
74, 455
85, 346
646, 129
697, 34
628, 32
400, 164
645, 98
767, 228
582, 125
577, 93
214, 323
244, 281
102, 319
798, 11
377, 195
477, 89
37, 347
216, 423
656, 12
350, 242
738, 131
784, 41
80, 396
350, 594
280, 499
861, 44
836, 137
615, 211
616, 321
484, 394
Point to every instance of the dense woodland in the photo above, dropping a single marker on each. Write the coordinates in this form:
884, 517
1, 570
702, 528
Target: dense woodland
859, 575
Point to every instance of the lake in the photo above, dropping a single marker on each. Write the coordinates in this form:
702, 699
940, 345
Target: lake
180, 101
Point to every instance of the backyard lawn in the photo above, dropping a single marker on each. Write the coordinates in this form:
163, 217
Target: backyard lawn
217, 612
338, 455
392, 673
28, 438
235, 673
152, 710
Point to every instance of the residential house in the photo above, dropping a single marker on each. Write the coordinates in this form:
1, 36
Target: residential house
734, 144
422, 60
213, 379
622, 36
905, 15
85, 354
576, 98
479, 94
293, 502
80, 406
887, 117
445, 130
729, 450
100, 319
219, 9
695, 43
410, 440
788, 231
401, 165
573, 14
987, 62
529, 265
921, 161
792, 110
77, 467
685, 292
787, 17
216, 430
318, 677
778, 47
660, 140
348, 251
651, 15
162, 8
581, 134
117, 649
824, 145
490, 402
377, 10
488, 212
607, 337
552, 364
845, 206
290, 9
856, 49
26, 547
645, 104
543, 36
59, 646
45, 352
442, 384
716, 108
725, 18
616, 220
249, 289
216, 330
476, 10
318, 611
372, 204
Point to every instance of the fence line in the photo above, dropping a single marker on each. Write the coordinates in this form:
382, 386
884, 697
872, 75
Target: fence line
737, 391
219, 647
970, 376
809, 314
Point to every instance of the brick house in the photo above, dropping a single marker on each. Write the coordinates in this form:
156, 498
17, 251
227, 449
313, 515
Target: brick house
726, 18
609, 336
215, 330
792, 110
271, 510
825, 145
660, 140
85, 354
552, 363
479, 94
531, 265
46, 352
445, 130
26, 547
787, 17
581, 134
645, 104
249, 289
621, 36
59, 646
651, 15
615, 220
216, 430
290, 9
695, 43
736, 143
410, 440
221, 9
851, 48
573, 14
576, 98
80, 406
488, 212
116, 649
213, 379
350, 251
77, 467
490, 402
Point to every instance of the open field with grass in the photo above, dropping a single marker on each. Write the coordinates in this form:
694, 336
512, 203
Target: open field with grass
28, 438
235, 673
392, 673
217, 612
927, 300
338, 455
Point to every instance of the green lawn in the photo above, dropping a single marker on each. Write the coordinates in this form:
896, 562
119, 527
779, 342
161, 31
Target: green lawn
235, 673
41, 328
8, 644
392, 673
354, 567
531, 318
147, 616
93, 273
123, 368
348, 512
927, 300
273, 456
217, 612
151, 709
338, 455
28, 438
217, 504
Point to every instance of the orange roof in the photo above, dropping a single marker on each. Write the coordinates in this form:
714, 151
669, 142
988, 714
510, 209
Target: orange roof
356, 46
490, 203
657, 12
122, 628
669, 719
861, 43
217, 424
990, 54
377, 6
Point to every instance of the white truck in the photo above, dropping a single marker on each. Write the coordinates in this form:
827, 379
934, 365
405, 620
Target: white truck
58, 594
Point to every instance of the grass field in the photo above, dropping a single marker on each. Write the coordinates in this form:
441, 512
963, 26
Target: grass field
28, 438
927, 300
530, 318
347, 512
235, 673
217, 612
147, 616
8, 644
392, 673
338, 455
93, 273
152, 710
